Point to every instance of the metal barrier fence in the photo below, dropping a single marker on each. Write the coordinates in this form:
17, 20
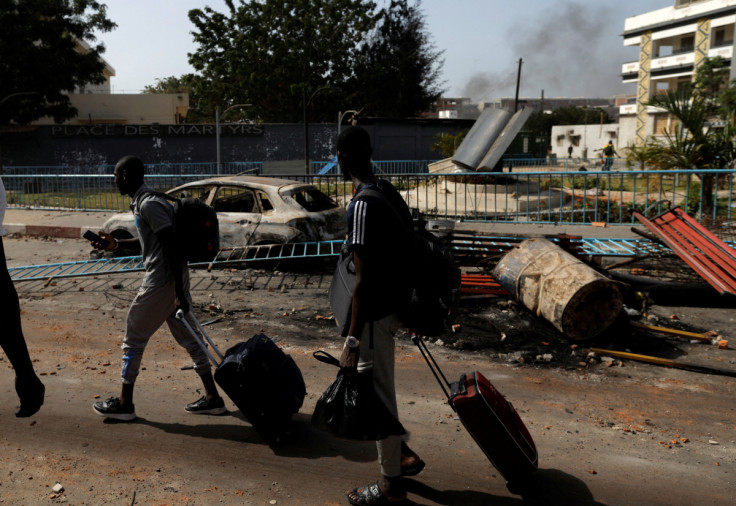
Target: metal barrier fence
523, 197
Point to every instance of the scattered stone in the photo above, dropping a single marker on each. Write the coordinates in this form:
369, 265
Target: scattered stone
713, 442
674, 317
514, 357
723, 344
631, 312
58, 488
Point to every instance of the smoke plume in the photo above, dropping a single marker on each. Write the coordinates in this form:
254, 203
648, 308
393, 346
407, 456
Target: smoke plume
571, 50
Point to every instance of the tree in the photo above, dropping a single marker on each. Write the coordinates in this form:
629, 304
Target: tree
697, 146
277, 55
397, 72
42, 56
710, 77
447, 144
641, 155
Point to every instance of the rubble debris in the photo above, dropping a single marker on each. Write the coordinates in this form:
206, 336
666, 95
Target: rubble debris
674, 332
576, 299
709, 256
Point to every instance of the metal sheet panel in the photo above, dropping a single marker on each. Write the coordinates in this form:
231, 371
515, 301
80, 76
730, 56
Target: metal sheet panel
481, 137
502, 143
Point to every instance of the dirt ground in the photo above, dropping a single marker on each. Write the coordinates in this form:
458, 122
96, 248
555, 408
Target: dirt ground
607, 431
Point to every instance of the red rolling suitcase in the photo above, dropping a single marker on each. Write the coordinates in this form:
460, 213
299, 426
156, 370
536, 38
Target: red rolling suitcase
492, 421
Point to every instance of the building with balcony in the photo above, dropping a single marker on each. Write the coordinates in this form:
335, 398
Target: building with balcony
672, 42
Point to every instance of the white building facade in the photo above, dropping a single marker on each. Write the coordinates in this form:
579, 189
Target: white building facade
672, 42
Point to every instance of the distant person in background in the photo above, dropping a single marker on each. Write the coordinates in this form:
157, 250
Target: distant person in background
609, 152
29, 388
569, 151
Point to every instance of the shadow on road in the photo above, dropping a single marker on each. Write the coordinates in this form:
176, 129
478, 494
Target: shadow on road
235, 431
303, 441
550, 487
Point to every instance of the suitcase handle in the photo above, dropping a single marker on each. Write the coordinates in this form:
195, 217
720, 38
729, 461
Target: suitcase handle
183, 318
433, 366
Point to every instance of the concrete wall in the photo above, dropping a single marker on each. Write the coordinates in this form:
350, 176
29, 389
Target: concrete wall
584, 139
94, 145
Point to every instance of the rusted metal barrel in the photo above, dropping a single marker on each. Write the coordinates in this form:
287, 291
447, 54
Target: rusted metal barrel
553, 284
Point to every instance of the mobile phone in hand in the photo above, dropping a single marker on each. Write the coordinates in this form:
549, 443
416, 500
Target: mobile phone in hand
92, 237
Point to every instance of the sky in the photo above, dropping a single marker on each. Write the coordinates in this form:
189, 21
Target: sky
568, 48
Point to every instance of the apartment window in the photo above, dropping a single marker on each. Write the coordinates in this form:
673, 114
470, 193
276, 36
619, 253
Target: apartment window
685, 3
687, 44
663, 51
665, 123
720, 37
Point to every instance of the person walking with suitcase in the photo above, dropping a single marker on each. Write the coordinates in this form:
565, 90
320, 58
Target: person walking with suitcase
29, 388
374, 237
164, 290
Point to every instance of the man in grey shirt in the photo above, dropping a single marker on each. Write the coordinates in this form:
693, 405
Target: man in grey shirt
164, 290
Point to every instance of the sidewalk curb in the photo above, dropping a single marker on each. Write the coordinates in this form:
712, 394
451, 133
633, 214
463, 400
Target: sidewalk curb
47, 230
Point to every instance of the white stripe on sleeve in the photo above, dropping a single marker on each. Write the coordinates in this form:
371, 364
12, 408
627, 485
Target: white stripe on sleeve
359, 222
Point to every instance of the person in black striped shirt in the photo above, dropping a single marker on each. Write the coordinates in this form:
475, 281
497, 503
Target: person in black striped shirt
377, 233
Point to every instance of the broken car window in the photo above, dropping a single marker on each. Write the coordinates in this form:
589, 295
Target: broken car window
265, 202
198, 192
313, 200
235, 200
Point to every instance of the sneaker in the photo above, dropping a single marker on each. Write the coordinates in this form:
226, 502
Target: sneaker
202, 406
112, 408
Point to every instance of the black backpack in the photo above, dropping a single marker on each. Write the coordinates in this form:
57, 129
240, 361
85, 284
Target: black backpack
432, 281
608, 150
196, 229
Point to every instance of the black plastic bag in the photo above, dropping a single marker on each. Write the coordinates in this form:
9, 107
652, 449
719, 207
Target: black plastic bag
350, 408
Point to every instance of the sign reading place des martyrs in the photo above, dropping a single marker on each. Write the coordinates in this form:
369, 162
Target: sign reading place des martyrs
244, 130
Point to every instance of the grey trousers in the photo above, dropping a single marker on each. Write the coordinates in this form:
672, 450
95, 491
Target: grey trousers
152, 306
380, 357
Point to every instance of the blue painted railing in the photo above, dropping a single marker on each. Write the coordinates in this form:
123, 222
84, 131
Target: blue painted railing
522, 197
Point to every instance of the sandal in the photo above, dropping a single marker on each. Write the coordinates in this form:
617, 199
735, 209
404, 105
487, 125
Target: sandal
371, 495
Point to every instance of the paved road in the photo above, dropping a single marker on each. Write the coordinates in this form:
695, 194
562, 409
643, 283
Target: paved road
632, 434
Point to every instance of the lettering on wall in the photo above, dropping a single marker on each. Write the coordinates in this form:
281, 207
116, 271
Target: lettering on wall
228, 130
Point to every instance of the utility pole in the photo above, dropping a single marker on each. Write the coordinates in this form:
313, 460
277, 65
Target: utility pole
306, 130
541, 105
518, 80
